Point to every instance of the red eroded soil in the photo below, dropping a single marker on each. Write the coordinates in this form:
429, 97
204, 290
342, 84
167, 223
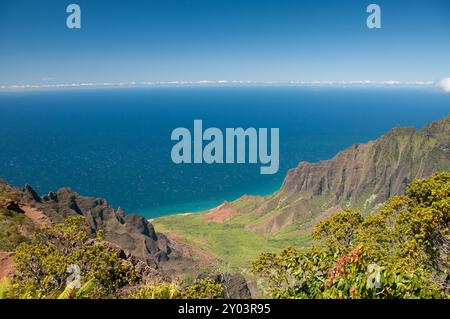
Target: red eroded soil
35, 215
226, 210
220, 213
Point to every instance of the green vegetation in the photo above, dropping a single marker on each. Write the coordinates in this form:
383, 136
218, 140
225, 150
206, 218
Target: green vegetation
5, 288
204, 289
398, 251
401, 251
45, 263
42, 264
13, 228
227, 241
162, 290
235, 246
201, 289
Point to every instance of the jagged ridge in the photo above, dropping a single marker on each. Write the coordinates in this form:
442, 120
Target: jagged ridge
361, 176
132, 233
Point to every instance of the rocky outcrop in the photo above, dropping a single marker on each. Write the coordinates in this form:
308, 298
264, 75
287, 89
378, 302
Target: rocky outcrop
30, 195
147, 273
234, 285
132, 233
11, 205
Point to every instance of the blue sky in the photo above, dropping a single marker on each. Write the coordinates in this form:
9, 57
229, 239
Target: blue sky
164, 40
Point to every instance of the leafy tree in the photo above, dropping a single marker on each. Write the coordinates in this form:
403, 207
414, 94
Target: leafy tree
42, 264
42, 269
401, 251
203, 289
338, 229
161, 290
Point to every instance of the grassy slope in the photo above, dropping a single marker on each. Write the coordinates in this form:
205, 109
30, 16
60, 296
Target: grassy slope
229, 242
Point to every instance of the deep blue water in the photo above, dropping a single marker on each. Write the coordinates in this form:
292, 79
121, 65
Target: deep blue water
115, 143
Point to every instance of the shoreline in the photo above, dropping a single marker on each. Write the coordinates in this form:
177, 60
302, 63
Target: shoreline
203, 206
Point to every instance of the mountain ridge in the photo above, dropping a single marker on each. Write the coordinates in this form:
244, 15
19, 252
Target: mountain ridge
362, 176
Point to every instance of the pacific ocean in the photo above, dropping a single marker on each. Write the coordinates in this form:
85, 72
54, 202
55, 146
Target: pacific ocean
115, 143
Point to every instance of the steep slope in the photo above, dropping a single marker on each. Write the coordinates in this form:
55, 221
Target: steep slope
362, 176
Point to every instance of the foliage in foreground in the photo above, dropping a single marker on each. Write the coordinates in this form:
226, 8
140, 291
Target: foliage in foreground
61, 261
201, 289
5, 288
401, 251
44, 265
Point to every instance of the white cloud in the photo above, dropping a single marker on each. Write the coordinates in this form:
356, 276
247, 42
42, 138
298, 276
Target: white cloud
444, 84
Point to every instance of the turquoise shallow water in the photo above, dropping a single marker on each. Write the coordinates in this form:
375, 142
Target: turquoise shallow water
115, 143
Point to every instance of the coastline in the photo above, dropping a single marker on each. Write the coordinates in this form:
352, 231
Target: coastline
189, 208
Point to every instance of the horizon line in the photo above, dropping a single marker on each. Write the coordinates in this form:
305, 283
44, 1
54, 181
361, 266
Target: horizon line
342, 83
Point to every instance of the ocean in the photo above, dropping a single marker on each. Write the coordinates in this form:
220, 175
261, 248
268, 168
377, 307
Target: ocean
115, 143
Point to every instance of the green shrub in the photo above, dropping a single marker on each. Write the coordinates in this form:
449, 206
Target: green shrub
161, 290
399, 252
5, 288
203, 289
42, 264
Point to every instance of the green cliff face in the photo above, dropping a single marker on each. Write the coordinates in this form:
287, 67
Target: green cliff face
362, 176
